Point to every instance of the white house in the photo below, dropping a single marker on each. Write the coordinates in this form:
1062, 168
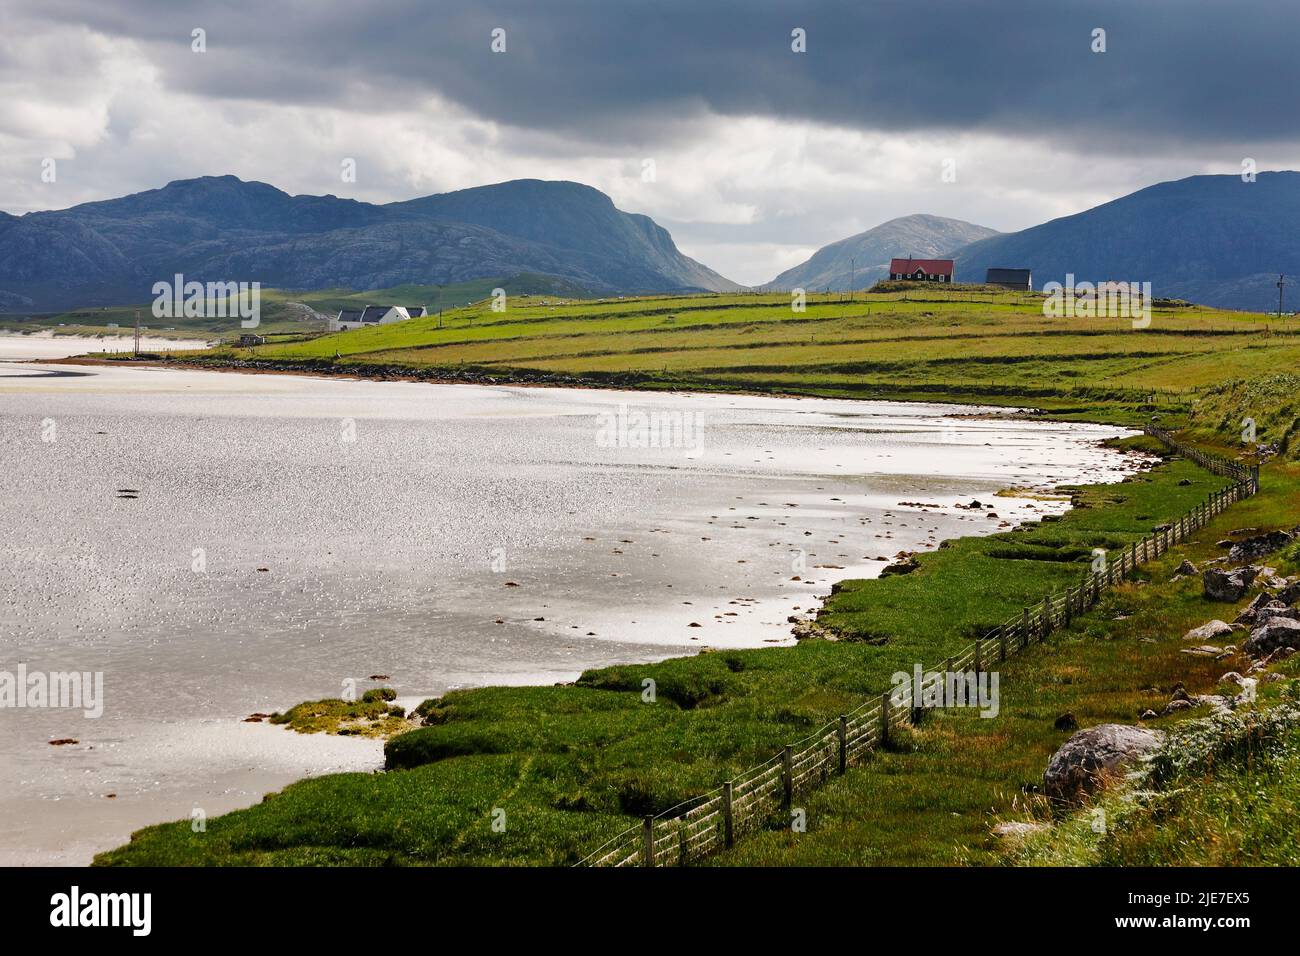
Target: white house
373, 315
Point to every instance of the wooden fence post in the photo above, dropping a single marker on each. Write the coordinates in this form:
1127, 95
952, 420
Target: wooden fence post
884, 719
1133, 558
979, 656
1069, 604
728, 828
844, 742
648, 832
1002, 642
787, 775
1024, 628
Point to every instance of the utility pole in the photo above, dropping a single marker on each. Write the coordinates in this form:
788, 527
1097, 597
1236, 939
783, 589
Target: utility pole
853, 268
1281, 281
137, 333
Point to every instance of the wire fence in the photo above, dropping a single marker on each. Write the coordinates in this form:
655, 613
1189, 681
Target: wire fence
714, 820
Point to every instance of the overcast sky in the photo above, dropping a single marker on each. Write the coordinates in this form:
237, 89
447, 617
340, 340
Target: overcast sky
760, 154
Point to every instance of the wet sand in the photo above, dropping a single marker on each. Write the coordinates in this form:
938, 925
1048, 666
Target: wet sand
442, 535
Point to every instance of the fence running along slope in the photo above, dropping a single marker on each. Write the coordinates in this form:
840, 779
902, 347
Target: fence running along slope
714, 820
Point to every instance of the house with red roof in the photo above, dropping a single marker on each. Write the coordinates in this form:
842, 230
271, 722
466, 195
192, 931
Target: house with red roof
921, 270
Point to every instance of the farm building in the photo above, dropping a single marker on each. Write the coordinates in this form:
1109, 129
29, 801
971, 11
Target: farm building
921, 270
1010, 278
371, 315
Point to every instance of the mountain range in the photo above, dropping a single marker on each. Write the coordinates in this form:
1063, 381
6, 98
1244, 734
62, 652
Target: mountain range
221, 228
1216, 240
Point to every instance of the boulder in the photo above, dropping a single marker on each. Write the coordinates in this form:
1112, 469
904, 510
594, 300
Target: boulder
1275, 609
1220, 585
1268, 578
1281, 654
1184, 569
1276, 632
1290, 594
1206, 650
1086, 761
1247, 615
1208, 631
1260, 545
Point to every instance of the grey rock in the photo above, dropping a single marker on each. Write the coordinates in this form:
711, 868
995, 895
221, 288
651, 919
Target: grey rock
1290, 594
1221, 585
1205, 650
1091, 757
1275, 633
1247, 615
1260, 545
1208, 631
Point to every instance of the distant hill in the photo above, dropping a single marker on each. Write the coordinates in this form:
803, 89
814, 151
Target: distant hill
1209, 239
866, 256
224, 229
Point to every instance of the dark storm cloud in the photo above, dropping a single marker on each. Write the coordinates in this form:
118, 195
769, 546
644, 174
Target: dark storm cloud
1174, 70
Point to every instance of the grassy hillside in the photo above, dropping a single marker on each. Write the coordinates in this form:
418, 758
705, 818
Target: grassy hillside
925, 344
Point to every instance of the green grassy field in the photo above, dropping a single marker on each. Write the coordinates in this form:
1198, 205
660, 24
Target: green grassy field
570, 766
924, 344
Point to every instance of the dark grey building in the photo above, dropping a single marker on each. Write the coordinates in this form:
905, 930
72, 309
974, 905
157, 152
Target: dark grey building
1010, 278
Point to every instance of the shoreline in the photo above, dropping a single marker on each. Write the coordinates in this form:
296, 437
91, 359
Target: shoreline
412, 757
619, 381
674, 653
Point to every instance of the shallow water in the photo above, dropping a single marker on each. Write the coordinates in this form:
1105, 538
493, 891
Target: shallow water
220, 544
15, 346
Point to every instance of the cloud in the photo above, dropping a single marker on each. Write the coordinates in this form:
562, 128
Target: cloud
760, 154
1176, 70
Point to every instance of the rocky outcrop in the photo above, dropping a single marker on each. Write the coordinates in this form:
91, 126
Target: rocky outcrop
1260, 545
1092, 757
1230, 586
1275, 633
